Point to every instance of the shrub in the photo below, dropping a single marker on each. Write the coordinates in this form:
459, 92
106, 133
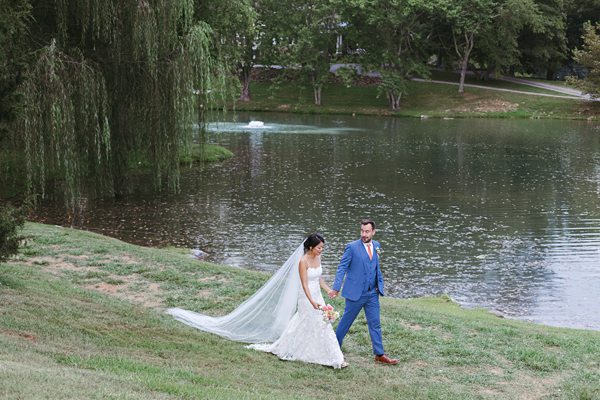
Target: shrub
11, 221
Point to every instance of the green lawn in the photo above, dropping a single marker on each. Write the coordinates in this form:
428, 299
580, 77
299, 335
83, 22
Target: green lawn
423, 99
81, 317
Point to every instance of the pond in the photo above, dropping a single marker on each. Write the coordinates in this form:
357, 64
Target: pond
502, 214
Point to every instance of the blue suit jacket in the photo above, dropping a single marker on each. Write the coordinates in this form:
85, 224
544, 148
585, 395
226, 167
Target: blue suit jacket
354, 267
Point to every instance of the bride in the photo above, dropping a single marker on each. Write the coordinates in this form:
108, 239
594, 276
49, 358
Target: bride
283, 317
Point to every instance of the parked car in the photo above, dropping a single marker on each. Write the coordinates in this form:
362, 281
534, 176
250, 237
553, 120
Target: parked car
576, 70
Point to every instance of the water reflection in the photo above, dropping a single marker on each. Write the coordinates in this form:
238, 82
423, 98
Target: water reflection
496, 213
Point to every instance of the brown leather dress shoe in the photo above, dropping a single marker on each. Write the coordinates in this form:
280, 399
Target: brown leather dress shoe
386, 360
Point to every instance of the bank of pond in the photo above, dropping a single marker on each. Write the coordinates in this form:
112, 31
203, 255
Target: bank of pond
84, 313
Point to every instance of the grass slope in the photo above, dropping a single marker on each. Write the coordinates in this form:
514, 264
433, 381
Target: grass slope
81, 317
423, 99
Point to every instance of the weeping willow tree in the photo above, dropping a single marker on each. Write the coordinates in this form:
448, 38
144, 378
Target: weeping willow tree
113, 82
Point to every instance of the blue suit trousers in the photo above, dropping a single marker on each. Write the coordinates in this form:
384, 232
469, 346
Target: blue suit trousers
370, 302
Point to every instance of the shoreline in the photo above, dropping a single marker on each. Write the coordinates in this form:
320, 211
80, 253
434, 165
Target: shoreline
447, 297
34, 227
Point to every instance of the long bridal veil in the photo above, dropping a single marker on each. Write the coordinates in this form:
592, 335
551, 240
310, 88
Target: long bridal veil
263, 317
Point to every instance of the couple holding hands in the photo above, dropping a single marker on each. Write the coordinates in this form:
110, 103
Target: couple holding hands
285, 316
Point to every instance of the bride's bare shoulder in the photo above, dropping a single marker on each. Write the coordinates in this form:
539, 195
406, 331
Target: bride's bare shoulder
303, 262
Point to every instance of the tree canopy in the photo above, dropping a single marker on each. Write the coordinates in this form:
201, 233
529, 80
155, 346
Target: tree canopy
14, 19
390, 36
589, 57
109, 83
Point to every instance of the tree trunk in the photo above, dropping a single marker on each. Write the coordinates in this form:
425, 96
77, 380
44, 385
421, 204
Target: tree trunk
244, 76
394, 99
463, 73
317, 89
469, 41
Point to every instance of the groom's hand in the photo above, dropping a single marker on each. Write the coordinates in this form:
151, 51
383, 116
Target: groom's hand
333, 294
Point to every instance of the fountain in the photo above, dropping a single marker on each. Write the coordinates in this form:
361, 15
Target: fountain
256, 124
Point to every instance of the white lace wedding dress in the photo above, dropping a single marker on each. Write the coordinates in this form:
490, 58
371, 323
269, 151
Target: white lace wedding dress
307, 337
277, 318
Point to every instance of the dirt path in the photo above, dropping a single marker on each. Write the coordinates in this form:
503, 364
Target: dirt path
548, 86
560, 96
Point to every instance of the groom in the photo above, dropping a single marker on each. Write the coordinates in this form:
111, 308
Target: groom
363, 285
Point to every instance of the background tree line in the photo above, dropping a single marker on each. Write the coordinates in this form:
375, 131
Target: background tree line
402, 38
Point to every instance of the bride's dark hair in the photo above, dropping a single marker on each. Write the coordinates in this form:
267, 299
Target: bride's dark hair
312, 241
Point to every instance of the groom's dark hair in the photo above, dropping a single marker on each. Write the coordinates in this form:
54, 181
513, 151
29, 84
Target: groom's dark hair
368, 221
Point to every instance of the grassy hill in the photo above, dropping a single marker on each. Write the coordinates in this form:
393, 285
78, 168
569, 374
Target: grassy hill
423, 99
81, 317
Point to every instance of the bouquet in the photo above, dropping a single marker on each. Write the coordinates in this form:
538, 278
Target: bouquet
329, 313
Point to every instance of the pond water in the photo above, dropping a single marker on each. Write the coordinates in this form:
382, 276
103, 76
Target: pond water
502, 214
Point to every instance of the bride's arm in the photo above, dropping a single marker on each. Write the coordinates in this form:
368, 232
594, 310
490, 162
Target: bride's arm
303, 269
324, 285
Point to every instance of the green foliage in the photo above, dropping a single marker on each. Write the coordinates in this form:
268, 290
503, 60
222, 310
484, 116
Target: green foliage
498, 49
112, 81
11, 222
209, 153
589, 57
390, 37
543, 43
64, 126
304, 41
393, 85
485, 34
347, 75
235, 31
578, 13
14, 17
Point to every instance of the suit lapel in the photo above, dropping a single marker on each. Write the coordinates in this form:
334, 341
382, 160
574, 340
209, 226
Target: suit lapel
364, 256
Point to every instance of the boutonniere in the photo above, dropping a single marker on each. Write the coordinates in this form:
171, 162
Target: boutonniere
379, 251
